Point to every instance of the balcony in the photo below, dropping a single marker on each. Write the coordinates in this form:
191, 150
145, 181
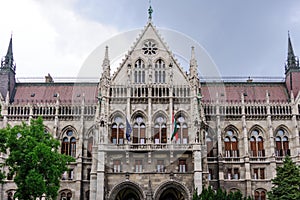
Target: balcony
148, 147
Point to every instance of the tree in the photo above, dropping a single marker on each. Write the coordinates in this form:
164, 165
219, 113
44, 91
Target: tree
34, 160
286, 184
210, 194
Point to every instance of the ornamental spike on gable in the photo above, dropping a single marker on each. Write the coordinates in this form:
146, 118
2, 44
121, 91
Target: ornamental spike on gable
8, 61
292, 61
106, 63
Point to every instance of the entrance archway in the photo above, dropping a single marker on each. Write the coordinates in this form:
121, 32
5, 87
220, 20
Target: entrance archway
126, 191
171, 190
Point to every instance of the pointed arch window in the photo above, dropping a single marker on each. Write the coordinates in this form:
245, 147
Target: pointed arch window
160, 74
182, 136
160, 130
211, 142
66, 195
69, 143
139, 130
257, 144
231, 144
209, 146
139, 74
282, 143
260, 195
90, 147
117, 130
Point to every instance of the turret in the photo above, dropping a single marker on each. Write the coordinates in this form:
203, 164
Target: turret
7, 73
105, 76
292, 62
292, 70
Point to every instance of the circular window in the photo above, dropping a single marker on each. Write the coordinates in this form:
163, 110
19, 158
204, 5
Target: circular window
149, 48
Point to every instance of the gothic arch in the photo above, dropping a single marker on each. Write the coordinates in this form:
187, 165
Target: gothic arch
184, 113
232, 128
90, 132
259, 128
172, 185
139, 112
68, 127
158, 113
284, 127
115, 113
121, 189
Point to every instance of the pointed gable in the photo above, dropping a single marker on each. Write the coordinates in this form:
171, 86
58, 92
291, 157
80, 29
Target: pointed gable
149, 61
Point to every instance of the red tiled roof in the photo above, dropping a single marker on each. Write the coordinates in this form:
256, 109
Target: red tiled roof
69, 93
253, 92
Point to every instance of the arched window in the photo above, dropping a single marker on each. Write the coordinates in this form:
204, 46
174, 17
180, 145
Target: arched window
117, 130
160, 74
182, 136
139, 74
66, 195
259, 195
209, 146
211, 143
90, 147
87, 195
160, 130
69, 143
139, 130
10, 195
257, 144
231, 144
282, 143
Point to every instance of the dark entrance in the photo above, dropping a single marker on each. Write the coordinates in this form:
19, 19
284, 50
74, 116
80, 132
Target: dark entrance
171, 194
127, 194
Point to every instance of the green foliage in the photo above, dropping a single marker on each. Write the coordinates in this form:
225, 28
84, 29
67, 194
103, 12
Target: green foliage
287, 182
210, 194
34, 159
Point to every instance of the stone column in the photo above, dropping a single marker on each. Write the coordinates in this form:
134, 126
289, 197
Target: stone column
197, 168
100, 174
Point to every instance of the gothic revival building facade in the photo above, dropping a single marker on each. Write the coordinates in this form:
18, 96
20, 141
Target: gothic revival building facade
153, 131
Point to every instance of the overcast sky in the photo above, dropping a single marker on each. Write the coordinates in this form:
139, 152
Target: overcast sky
243, 37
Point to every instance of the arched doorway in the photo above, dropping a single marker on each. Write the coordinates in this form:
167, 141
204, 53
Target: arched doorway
127, 194
171, 190
126, 191
171, 194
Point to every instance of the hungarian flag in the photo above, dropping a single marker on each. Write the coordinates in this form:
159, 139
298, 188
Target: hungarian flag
175, 130
128, 130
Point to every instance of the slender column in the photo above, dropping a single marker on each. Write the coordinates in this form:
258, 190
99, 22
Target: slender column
197, 168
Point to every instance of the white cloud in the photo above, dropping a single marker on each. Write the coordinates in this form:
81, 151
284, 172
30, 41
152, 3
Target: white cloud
49, 36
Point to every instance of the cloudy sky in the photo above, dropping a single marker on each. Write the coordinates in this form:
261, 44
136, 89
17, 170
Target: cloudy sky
244, 38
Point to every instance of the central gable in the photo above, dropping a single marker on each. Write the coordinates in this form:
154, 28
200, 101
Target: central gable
149, 62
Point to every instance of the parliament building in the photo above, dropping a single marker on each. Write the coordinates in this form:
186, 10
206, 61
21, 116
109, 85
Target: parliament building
152, 131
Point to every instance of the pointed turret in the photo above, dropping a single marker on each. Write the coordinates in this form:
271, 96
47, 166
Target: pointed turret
193, 64
292, 70
8, 61
292, 62
106, 63
7, 73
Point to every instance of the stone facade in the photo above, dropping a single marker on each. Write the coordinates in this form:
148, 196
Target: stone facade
229, 134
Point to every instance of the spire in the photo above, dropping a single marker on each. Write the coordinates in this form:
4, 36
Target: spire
106, 63
150, 11
193, 64
292, 60
8, 61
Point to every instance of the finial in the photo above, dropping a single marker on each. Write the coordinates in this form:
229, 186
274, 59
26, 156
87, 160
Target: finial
150, 10
106, 52
193, 53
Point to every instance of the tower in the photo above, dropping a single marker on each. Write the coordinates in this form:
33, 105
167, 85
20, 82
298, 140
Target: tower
292, 70
7, 74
